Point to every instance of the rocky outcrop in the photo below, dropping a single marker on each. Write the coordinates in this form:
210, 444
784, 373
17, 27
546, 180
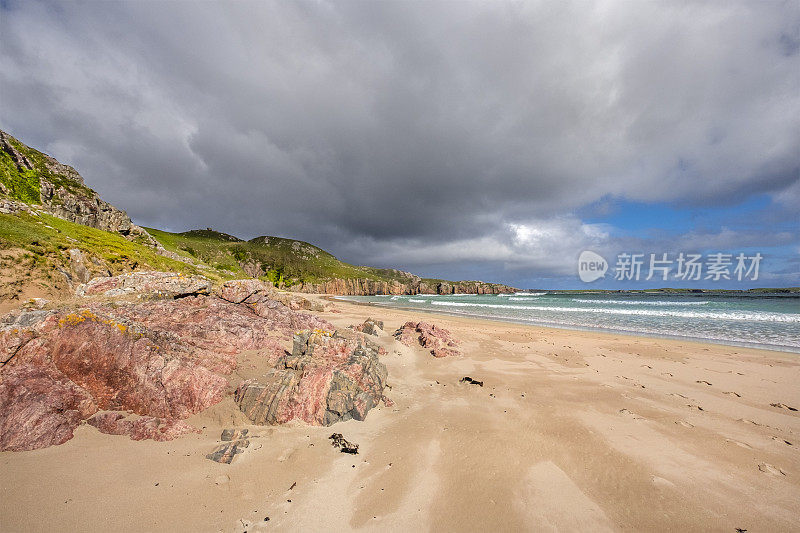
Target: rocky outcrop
326, 379
369, 326
463, 287
160, 359
437, 340
355, 287
61, 191
39, 407
411, 285
253, 291
154, 284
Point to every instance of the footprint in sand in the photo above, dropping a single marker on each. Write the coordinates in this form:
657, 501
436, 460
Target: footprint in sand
779, 439
770, 469
633, 415
754, 423
783, 406
733, 393
693, 406
684, 423
703, 381
678, 395
738, 443
667, 374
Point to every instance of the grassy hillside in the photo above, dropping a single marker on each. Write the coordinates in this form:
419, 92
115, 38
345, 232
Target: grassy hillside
23, 184
35, 258
281, 261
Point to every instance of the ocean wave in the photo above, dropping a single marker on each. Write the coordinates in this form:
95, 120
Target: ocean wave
530, 298
417, 301
754, 316
529, 293
634, 302
758, 340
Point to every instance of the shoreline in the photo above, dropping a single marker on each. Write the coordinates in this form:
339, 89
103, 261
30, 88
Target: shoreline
570, 431
566, 327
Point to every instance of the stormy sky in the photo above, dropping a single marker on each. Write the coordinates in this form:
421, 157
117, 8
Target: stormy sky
463, 140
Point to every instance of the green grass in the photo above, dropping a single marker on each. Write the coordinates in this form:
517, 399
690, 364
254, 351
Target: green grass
48, 237
280, 261
24, 185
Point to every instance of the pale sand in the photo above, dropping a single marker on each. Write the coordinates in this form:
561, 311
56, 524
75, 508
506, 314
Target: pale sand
573, 431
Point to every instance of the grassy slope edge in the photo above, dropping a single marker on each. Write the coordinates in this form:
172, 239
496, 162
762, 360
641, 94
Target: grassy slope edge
281, 261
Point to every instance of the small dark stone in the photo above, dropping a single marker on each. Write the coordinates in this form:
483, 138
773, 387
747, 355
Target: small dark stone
340, 442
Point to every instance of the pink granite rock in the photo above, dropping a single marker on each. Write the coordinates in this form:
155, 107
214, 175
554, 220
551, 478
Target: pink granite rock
140, 428
165, 284
437, 340
161, 359
326, 379
39, 407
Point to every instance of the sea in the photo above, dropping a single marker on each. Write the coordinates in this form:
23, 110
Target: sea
743, 319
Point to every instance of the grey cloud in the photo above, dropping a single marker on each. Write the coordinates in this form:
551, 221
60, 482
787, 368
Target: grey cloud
389, 130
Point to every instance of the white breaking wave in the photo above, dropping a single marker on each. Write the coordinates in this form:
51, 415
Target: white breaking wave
531, 298
417, 301
755, 316
529, 293
634, 302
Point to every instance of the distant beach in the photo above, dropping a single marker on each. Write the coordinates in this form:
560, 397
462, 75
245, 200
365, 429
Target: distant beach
757, 320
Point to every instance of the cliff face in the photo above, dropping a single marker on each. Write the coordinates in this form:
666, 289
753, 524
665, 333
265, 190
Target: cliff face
370, 287
33, 177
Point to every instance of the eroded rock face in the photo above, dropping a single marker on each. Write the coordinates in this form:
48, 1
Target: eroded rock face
326, 379
253, 292
62, 191
39, 407
161, 359
140, 428
369, 326
409, 284
437, 340
151, 283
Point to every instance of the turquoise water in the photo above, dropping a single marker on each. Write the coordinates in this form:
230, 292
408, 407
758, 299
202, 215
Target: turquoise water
771, 321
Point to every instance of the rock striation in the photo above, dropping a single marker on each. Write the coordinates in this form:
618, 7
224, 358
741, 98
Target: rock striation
161, 359
328, 377
149, 283
140, 428
429, 336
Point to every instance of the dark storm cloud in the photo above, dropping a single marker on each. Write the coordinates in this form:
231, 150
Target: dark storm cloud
395, 131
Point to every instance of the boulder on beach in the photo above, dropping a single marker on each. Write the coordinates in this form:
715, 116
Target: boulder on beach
328, 377
369, 326
429, 336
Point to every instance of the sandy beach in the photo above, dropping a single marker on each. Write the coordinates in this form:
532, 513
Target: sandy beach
570, 431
